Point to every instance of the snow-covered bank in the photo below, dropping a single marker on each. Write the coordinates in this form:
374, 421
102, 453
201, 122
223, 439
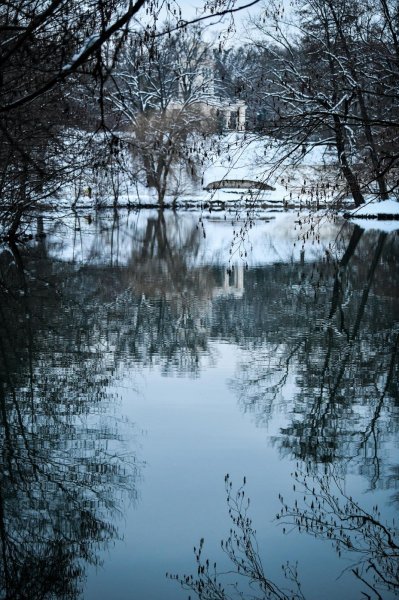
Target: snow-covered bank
377, 210
383, 215
298, 179
377, 224
234, 170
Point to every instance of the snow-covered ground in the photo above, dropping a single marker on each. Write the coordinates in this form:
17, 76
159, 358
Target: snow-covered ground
297, 180
303, 177
383, 215
295, 176
373, 209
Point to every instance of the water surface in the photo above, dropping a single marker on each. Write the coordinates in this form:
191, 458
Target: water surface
144, 356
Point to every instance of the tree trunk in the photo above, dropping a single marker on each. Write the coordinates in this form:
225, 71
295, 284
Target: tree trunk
362, 104
344, 164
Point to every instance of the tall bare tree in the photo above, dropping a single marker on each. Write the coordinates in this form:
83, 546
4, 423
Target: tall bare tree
163, 89
327, 62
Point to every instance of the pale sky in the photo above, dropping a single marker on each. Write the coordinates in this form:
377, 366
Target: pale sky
193, 9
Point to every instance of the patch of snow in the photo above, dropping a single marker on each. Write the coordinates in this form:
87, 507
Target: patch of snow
300, 179
373, 208
89, 42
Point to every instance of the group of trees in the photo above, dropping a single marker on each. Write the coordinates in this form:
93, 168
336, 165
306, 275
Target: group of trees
81, 81
56, 64
328, 73
53, 62
320, 72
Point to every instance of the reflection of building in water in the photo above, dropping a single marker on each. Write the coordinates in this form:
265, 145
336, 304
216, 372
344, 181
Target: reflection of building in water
197, 313
233, 283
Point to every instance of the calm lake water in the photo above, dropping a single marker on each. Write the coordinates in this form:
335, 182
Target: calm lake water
145, 356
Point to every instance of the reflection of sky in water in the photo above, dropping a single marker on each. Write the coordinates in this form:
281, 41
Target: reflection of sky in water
194, 436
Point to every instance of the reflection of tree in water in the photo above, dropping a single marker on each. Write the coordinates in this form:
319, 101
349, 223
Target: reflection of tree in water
62, 475
66, 330
322, 509
337, 332
325, 331
321, 336
329, 513
174, 295
153, 303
